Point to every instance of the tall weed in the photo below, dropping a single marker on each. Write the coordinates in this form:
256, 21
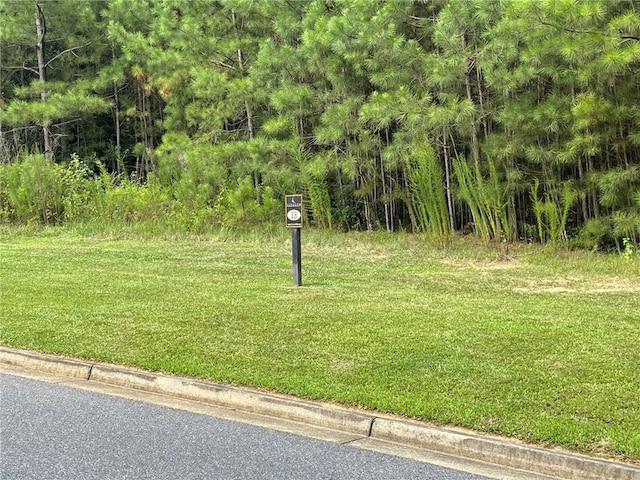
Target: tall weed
81, 189
31, 191
552, 215
487, 199
426, 202
130, 202
320, 202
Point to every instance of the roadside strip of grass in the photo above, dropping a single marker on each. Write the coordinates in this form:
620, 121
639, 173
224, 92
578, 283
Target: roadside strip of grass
542, 347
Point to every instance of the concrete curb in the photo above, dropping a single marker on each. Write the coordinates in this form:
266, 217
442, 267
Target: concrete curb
523, 457
238, 399
45, 363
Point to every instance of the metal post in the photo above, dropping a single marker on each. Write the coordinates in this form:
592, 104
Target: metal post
296, 252
293, 212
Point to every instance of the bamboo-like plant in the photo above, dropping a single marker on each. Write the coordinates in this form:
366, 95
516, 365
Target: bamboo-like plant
487, 199
552, 216
426, 200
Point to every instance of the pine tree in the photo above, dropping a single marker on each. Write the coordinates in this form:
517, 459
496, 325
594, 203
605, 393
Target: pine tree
47, 66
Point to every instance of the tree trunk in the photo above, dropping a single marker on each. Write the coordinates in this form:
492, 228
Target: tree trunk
250, 127
483, 117
116, 107
475, 145
116, 99
447, 179
41, 30
594, 195
385, 197
583, 198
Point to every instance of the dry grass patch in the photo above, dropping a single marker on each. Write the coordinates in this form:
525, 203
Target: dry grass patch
582, 285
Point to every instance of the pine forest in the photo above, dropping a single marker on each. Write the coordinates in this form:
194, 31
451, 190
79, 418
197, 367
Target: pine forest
511, 120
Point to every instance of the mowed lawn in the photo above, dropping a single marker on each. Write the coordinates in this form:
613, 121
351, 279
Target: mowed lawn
540, 346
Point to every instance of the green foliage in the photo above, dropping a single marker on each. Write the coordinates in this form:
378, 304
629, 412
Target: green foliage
552, 215
62, 102
626, 225
194, 176
616, 184
320, 202
486, 197
237, 207
48, 78
530, 108
80, 191
595, 234
130, 202
32, 191
426, 199
629, 249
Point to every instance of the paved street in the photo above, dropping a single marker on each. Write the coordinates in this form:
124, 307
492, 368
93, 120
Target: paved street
52, 431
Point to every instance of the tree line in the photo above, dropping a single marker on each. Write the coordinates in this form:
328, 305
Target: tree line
509, 119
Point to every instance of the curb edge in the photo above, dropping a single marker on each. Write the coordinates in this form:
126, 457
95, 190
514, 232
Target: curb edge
489, 450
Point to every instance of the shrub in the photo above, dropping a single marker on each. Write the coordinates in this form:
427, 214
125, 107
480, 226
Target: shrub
31, 191
131, 202
238, 208
80, 190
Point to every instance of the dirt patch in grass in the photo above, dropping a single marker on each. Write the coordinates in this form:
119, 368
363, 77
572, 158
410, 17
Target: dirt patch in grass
502, 263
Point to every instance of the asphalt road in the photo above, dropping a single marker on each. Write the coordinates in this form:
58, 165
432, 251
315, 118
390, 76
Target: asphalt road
51, 431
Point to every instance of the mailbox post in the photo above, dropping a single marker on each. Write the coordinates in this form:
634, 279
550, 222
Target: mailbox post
293, 211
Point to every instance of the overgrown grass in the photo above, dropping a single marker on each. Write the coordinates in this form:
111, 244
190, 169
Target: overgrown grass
538, 345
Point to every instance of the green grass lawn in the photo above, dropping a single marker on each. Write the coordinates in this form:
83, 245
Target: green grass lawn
540, 346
